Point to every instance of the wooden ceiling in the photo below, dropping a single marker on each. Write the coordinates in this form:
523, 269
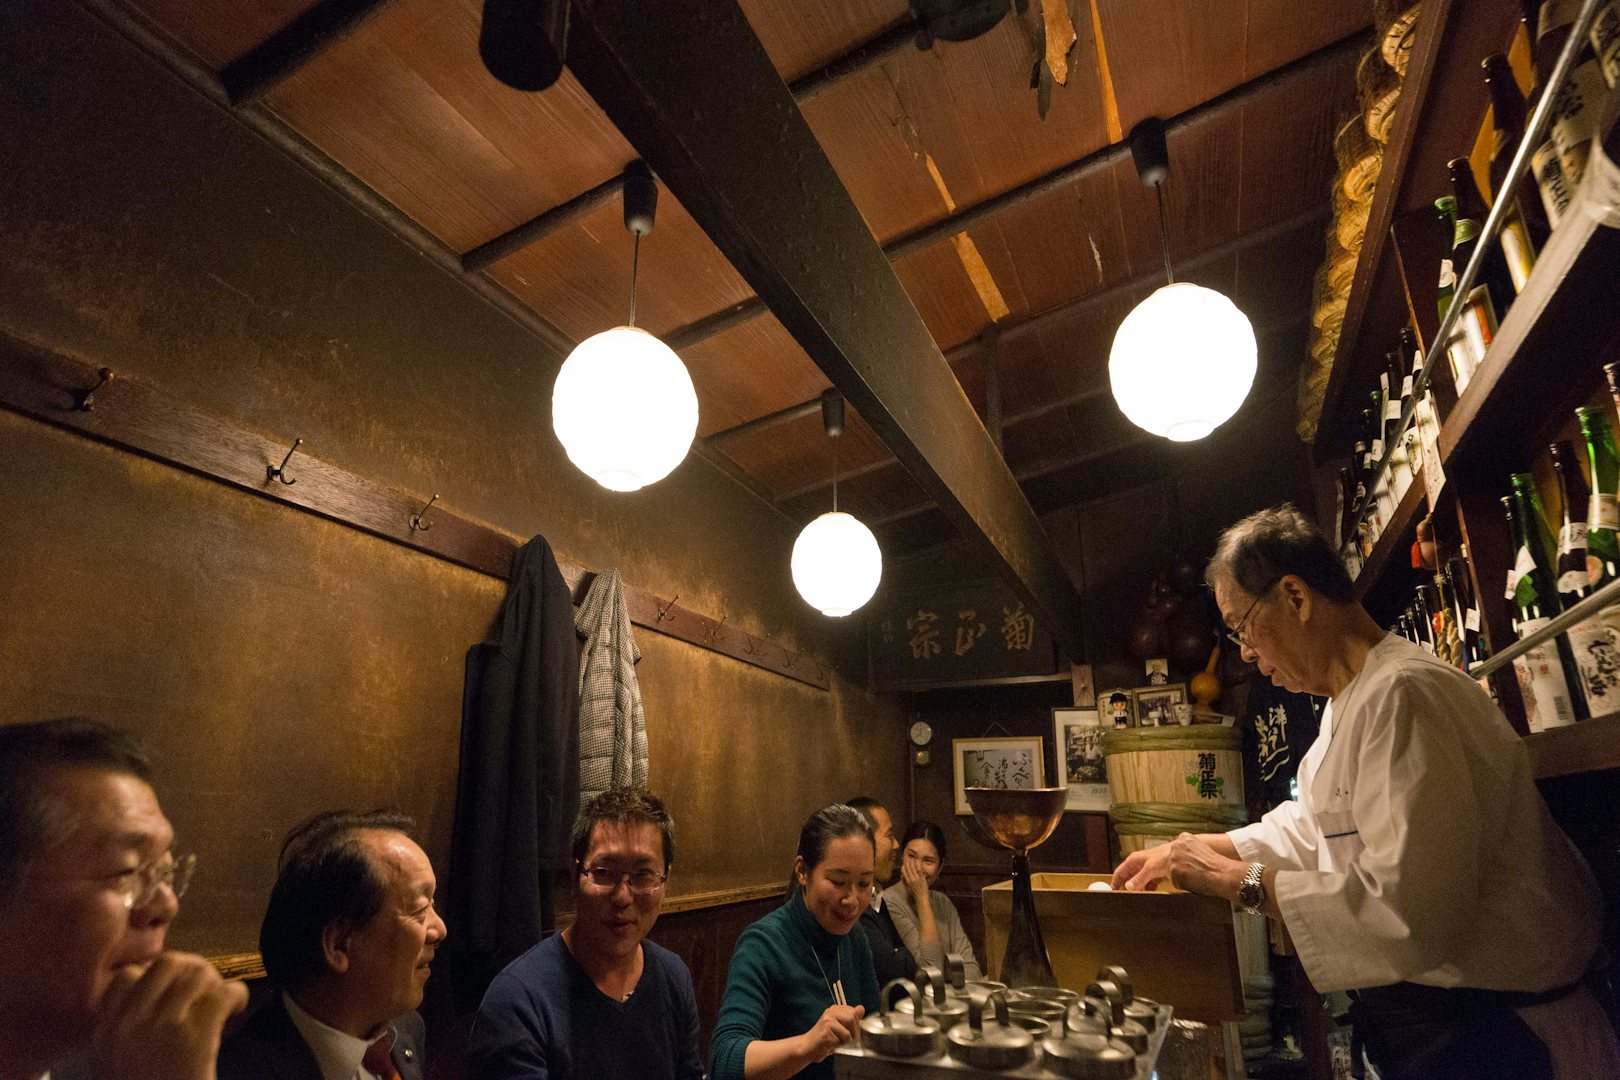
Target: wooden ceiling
402, 103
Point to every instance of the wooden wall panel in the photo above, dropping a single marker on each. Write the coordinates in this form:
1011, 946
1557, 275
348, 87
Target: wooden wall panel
280, 663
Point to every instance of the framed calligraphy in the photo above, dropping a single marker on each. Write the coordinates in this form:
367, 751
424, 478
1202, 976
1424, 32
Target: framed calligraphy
996, 763
1077, 738
929, 635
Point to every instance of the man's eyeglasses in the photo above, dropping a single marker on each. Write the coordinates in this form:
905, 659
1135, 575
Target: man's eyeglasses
642, 882
139, 886
1238, 635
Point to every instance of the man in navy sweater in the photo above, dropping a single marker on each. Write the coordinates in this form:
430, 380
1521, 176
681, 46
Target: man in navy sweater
597, 1000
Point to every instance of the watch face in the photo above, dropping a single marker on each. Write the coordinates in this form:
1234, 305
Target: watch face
921, 732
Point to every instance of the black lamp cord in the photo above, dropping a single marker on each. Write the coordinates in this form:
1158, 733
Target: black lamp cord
1164, 235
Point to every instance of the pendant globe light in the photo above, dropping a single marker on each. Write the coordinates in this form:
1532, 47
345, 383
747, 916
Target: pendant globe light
1184, 359
623, 404
836, 561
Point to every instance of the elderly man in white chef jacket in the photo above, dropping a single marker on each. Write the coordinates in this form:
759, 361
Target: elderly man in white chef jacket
1420, 869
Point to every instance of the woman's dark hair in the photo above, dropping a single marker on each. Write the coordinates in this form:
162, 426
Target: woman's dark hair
1265, 546
325, 875
835, 822
925, 830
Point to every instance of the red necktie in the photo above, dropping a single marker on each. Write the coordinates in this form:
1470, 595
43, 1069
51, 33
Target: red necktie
377, 1061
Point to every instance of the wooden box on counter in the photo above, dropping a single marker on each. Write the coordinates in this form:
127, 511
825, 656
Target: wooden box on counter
1180, 948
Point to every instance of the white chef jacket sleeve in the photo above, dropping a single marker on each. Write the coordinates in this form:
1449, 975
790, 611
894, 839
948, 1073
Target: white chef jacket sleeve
1404, 846
1285, 838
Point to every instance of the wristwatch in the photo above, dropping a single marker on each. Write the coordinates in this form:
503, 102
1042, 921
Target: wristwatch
1251, 894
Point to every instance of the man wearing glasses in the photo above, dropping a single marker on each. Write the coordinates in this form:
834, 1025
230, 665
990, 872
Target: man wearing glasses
88, 888
348, 940
597, 1000
1420, 870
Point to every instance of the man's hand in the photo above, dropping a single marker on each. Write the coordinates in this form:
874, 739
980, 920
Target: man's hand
1197, 867
916, 879
164, 1022
1142, 870
837, 1026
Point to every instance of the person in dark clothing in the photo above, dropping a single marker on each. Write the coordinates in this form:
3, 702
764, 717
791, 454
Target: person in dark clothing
890, 957
348, 940
597, 1000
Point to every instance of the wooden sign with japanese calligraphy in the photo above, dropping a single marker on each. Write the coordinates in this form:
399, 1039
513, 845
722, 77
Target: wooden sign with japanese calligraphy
935, 634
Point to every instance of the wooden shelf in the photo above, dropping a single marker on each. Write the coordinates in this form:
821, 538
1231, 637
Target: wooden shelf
1531, 369
1442, 98
1590, 746
1375, 584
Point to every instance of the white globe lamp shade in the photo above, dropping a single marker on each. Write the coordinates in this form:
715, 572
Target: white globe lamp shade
624, 408
836, 564
1182, 362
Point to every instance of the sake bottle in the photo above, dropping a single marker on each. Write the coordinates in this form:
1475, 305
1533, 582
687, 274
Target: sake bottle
1547, 675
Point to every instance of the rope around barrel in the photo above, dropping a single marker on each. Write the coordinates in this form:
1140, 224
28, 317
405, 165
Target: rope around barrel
1142, 740
1173, 819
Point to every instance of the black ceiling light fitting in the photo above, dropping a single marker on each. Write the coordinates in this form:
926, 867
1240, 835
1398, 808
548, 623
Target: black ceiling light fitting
523, 42
956, 20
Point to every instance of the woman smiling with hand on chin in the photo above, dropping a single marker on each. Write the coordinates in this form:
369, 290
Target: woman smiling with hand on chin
927, 920
800, 981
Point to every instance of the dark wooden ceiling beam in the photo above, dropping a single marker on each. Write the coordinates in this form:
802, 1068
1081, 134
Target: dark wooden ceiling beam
253, 74
730, 143
1062, 176
805, 88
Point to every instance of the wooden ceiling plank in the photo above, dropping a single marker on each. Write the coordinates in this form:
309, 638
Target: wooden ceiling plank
1109, 156
857, 325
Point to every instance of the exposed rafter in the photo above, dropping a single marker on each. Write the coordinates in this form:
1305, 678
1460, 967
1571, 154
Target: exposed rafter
251, 75
654, 80
1060, 177
1013, 330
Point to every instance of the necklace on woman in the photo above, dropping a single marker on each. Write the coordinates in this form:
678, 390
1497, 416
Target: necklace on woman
836, 989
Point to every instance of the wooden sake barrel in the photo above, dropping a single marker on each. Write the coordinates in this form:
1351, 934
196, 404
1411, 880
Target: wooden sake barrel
1166, 781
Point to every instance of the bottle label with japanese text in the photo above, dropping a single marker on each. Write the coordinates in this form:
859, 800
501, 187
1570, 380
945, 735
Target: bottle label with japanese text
1596, 647
1555, 188
1605, 37
1541, 683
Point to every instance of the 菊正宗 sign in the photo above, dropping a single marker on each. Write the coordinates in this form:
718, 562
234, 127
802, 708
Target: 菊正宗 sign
929, 634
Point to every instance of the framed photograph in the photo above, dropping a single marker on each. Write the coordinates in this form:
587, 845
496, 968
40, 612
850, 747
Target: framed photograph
1152, 704
1077, 735
996, 763
1116, 708
1158, 671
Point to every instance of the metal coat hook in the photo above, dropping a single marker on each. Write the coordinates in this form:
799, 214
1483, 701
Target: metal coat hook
789, 659
716, 631
85, 400
663, 612
748, 646
418, 519
279, 472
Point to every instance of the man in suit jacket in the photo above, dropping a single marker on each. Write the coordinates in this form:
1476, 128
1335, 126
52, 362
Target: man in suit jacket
348, 939
890, 957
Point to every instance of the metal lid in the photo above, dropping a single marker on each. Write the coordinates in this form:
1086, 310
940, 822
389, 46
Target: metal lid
1090, 1057
1144, 1012
1050, 1011
997, 1045
1132, 1034
1086, 1016
1043, 993
900, 1034
955, 971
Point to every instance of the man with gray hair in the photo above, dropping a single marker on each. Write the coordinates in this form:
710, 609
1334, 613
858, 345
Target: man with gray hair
88, 888
1420, 869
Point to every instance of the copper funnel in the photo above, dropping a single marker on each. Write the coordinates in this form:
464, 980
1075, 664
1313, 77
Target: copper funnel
1017, 818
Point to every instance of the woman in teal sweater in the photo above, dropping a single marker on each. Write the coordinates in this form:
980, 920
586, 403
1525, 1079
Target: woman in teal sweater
800, 981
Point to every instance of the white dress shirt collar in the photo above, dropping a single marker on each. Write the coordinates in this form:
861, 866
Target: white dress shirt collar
336, 1052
